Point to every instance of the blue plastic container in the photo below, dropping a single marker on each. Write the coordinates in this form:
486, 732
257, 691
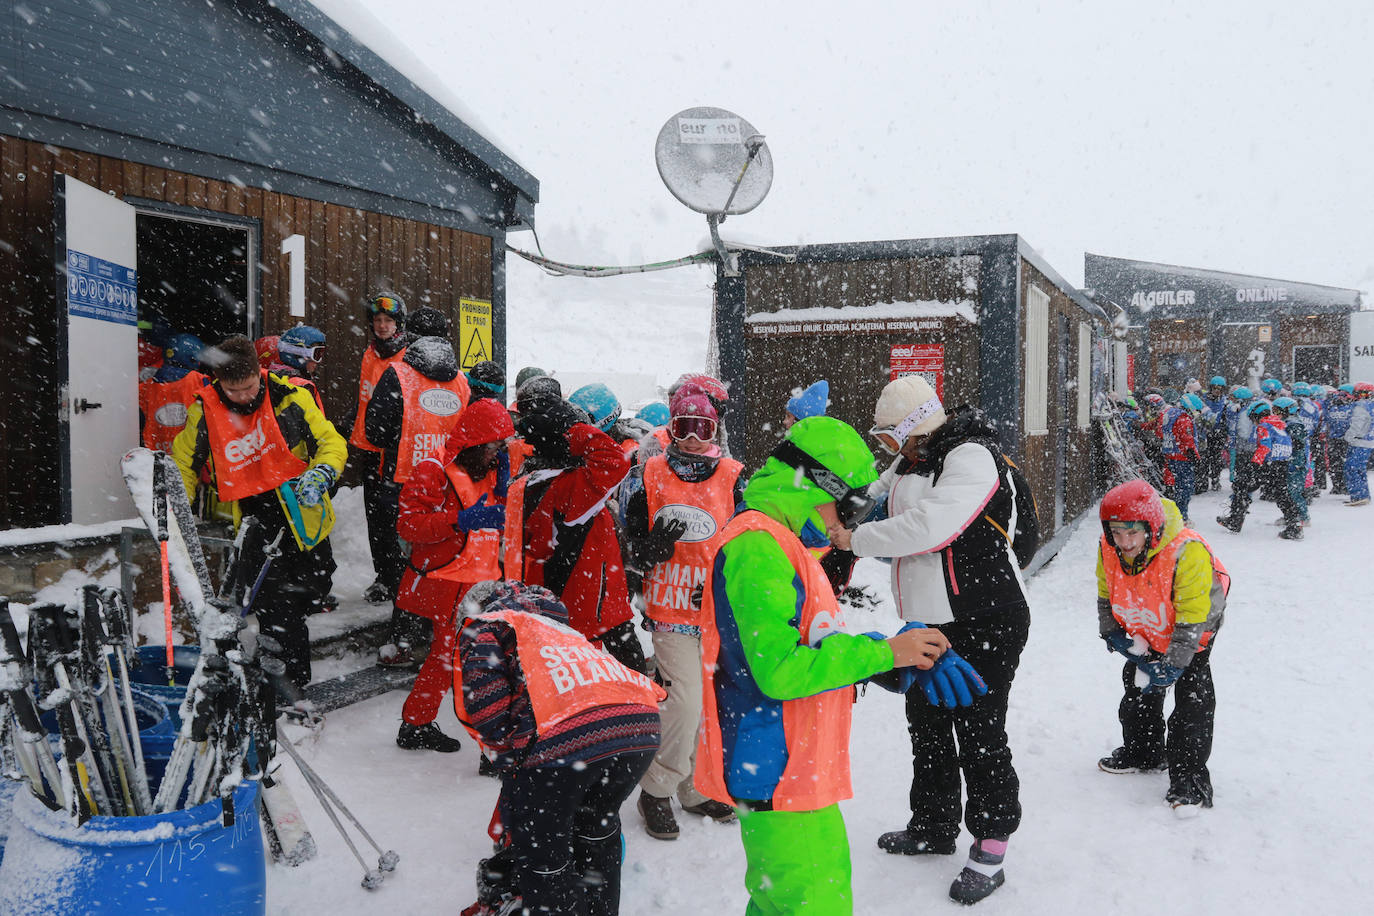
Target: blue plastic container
180, 862
151, 675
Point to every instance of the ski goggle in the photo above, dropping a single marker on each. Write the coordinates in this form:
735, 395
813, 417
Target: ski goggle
887, 438
386, 305
701, 428
315, 353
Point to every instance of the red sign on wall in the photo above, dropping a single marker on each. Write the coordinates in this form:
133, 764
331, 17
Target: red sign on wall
920, 359
1130, 372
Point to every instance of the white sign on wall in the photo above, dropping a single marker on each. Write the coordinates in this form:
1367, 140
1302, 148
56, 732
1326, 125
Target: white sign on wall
1361, 347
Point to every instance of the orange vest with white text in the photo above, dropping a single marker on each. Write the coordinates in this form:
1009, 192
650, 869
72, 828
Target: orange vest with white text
564, 673
706, 507
479, 560
249, 452
371, 372
1144, 603
815, 728
164, 408
429, 412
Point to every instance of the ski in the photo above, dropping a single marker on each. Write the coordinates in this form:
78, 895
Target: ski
357, 686
31, 740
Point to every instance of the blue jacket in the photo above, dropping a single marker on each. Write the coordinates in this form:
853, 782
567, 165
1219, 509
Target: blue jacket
1338, 414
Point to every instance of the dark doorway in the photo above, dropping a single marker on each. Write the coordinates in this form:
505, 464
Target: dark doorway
1317, 364
193, 276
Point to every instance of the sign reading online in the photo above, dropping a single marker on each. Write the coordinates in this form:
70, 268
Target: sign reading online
101, 289
838, 326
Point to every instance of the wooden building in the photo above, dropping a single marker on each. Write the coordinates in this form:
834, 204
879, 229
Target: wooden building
231, 167
985, 318
1189, 322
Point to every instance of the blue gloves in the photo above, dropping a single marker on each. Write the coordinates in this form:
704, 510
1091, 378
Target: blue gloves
898, 680
948, 683
1118, 641
314, 484
1160, 672
502, 475
480, 515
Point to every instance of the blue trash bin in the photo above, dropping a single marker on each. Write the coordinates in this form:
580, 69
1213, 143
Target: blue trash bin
151, 675
181, 862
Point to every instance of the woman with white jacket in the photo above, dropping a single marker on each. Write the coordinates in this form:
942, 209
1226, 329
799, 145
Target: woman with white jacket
951, 503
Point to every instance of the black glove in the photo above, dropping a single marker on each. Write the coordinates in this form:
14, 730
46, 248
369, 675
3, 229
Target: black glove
659, 543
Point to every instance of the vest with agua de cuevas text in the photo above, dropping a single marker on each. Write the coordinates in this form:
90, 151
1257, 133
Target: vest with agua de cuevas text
705, 507
431, 410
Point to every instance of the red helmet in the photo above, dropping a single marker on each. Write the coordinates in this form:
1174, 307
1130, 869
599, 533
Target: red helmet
700, 383
1134, 501
1364, 389
267, 350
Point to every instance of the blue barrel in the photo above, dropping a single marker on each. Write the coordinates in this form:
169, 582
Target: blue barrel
151, 675
181, 862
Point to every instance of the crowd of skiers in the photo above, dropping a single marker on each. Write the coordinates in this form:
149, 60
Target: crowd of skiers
1288, 441
522, 538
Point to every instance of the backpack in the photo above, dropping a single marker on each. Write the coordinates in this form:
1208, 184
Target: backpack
1026, 538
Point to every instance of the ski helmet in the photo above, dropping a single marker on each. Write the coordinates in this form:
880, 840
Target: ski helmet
1347, 388
599, 403
1260, 408
267, 350
1363, 389
1192, 402
1217, 382
1287, 405
181, 355
1302, 390
300, 344
1155, 400
1242, 393
527, 373
1270, 385
387, 303
655, 413
833, 461
1133, 501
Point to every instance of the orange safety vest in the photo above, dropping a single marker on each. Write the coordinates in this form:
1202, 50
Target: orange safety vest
518, 450
815, 728
371, 372
479, 560
429, 412
250, 454
164, 408
706, 507
564, 673
513, 559
1144, 603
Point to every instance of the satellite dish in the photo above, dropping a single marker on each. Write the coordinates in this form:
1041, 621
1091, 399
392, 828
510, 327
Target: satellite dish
715, 162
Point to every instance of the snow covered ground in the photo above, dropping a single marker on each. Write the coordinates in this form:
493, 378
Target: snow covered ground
1291, 764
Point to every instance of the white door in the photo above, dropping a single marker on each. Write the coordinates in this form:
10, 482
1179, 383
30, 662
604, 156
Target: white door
98, 291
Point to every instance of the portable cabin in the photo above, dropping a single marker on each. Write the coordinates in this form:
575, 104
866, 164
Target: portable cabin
984, 318
233, 167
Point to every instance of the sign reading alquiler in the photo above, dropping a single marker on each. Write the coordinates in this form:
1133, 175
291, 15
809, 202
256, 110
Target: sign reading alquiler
839, 326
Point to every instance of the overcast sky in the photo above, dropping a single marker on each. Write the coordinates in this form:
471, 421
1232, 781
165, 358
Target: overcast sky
1229, 135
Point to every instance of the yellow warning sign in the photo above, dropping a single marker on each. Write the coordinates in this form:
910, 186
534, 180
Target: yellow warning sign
474, 331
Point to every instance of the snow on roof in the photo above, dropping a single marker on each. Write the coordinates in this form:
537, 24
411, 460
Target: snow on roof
964, 308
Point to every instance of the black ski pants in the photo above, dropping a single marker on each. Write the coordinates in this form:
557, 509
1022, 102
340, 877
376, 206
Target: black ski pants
969, 738
1273, 477
1336, 452
564, 824
293, 589
1214, 460
1189, 735
381, 505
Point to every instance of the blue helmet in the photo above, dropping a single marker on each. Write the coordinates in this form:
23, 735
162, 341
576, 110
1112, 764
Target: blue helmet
1218, 381
599, 403
1347, 388
1192, 402
1260, 408
1302, 390
299, 344
1242, 393
1287, 405
655, 413
180, 356
1270, 385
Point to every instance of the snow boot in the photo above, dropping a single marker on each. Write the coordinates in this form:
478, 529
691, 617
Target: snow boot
1356, 502
394, 656
379, 593
486, 768
659, 822
1229, 523
719, 812
907, 842
1291, 533
983, 874
1189, 791
1118, 762
425, 737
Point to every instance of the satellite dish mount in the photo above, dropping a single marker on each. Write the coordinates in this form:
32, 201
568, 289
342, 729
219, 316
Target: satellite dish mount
716, 163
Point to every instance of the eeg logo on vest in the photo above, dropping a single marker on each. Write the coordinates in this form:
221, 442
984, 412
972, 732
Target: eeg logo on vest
441, 402
237, 450
700, 525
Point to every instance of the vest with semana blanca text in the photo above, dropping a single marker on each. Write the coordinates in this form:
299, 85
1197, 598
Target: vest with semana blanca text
164, 408
564, 673
250, 454
706, 508
815, 728
1144, 603
430, 411
479, 560
368, 376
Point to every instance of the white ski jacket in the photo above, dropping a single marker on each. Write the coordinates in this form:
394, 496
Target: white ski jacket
948, 559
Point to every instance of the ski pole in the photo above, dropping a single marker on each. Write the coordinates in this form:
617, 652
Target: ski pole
270, 553
71, 648
17, 678
86, 796
117, 628
388, 860
94, 640
160, 514
372, 878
